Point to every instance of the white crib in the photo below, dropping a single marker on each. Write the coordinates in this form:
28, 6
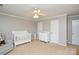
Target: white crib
20, 37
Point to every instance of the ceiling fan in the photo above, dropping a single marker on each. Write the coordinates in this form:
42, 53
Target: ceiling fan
37, 13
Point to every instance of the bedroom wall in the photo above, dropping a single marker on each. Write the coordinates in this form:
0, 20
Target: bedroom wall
45, 26
9, 24
69, 30
63, 30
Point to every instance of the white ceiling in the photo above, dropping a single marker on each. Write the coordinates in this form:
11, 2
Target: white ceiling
25, 10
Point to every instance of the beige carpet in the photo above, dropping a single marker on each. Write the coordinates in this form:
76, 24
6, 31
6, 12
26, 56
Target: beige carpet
41, 48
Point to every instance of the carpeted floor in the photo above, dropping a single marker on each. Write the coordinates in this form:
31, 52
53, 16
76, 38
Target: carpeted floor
41, 48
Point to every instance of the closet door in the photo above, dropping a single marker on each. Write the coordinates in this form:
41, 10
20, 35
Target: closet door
54, 29
75, 32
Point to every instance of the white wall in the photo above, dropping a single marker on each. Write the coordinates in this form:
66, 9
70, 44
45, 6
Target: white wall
40, 27
44, 27
63, 30
54, 31
9, 24
69, 30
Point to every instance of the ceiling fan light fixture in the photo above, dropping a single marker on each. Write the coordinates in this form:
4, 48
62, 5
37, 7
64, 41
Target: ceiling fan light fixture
36, 8
35, 11
35, 16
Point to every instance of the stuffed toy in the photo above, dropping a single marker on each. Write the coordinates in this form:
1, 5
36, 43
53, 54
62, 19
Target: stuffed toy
1, 40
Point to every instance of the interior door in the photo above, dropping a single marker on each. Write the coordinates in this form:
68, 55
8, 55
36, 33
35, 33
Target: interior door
54, 31
75, 32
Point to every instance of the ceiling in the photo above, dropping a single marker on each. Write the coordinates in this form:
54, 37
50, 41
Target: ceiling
25, 10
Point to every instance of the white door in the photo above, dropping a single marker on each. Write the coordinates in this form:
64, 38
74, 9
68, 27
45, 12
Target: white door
54, 35
75, 32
